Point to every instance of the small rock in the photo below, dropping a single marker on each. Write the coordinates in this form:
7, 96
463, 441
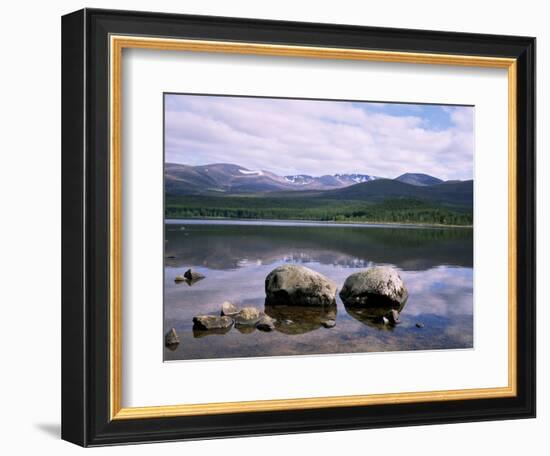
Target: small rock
193, 275
171, 339
385, 321
329, 323
393, 317
266, 323
208, 322
229, 309
247, 316
419, 325
180, 278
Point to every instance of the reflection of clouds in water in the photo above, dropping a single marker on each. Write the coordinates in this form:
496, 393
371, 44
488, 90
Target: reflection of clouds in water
236, 262
439, 291
442, 291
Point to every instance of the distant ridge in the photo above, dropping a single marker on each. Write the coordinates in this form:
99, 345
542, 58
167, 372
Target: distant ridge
220, 179
234, 179
418, 179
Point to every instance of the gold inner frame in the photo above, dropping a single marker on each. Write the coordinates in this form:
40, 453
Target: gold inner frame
117, 44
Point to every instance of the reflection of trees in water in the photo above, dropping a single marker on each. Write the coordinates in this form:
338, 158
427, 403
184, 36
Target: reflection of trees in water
231, 246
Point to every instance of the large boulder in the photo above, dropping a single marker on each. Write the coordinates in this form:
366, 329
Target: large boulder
375, 287
293, 284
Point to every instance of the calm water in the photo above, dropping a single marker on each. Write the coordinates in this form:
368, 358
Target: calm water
435, 264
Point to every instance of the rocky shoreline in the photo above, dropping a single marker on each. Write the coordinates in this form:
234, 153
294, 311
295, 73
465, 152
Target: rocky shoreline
299, 300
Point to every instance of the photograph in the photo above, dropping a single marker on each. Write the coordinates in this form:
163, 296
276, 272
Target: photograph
309, 227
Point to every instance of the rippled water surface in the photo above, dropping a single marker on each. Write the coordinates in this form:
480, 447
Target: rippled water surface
435, 264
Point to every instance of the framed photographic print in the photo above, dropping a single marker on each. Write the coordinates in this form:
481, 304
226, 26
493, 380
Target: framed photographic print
279, 227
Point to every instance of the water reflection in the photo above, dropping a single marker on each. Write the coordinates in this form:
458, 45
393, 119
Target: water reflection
436, 266
294, 320
375, 317
198, 333
233, 246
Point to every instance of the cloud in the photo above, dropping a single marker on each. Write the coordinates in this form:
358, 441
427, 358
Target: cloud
320, 137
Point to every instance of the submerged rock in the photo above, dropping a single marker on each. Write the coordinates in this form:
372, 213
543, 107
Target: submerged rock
393, 317
420, 325
171, 339
266, 323
193, 275
229, 309
247, 316
375, 317
190, 282
376, 287
297, 285
210, 322
329, 323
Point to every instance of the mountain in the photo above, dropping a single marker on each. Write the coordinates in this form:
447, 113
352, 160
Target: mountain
450, 193
218, 178
235, 179
229, 179
418, 179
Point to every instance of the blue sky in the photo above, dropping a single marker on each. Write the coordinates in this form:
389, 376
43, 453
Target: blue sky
320, 137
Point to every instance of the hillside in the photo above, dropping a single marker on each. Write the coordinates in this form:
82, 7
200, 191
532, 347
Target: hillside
451, 194
231, 191
418, 179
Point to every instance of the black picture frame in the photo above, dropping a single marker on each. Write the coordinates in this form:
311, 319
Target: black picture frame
85, 228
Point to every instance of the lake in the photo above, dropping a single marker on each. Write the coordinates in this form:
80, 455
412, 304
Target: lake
436, 265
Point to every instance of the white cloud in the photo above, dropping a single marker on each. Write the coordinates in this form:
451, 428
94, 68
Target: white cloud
317, 137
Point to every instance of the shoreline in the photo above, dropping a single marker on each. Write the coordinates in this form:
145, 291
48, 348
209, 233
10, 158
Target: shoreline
297, 222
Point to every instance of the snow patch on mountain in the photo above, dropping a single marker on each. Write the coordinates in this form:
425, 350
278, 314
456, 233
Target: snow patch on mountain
251, 173
300, 179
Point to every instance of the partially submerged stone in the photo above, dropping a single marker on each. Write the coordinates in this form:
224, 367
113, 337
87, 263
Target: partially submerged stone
393, 317
328, 324
171, 339
375, 317
266, 323
293, 284
192, 275
376, 287
247, 316
211, 322
229, 309
182, 278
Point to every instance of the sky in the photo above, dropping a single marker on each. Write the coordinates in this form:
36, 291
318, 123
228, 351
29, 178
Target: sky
289, 136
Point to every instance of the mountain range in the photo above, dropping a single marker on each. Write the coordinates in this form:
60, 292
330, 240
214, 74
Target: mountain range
223, 178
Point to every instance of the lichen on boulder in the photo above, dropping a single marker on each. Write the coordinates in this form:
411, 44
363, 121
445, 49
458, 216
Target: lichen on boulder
375, 287
293, 284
